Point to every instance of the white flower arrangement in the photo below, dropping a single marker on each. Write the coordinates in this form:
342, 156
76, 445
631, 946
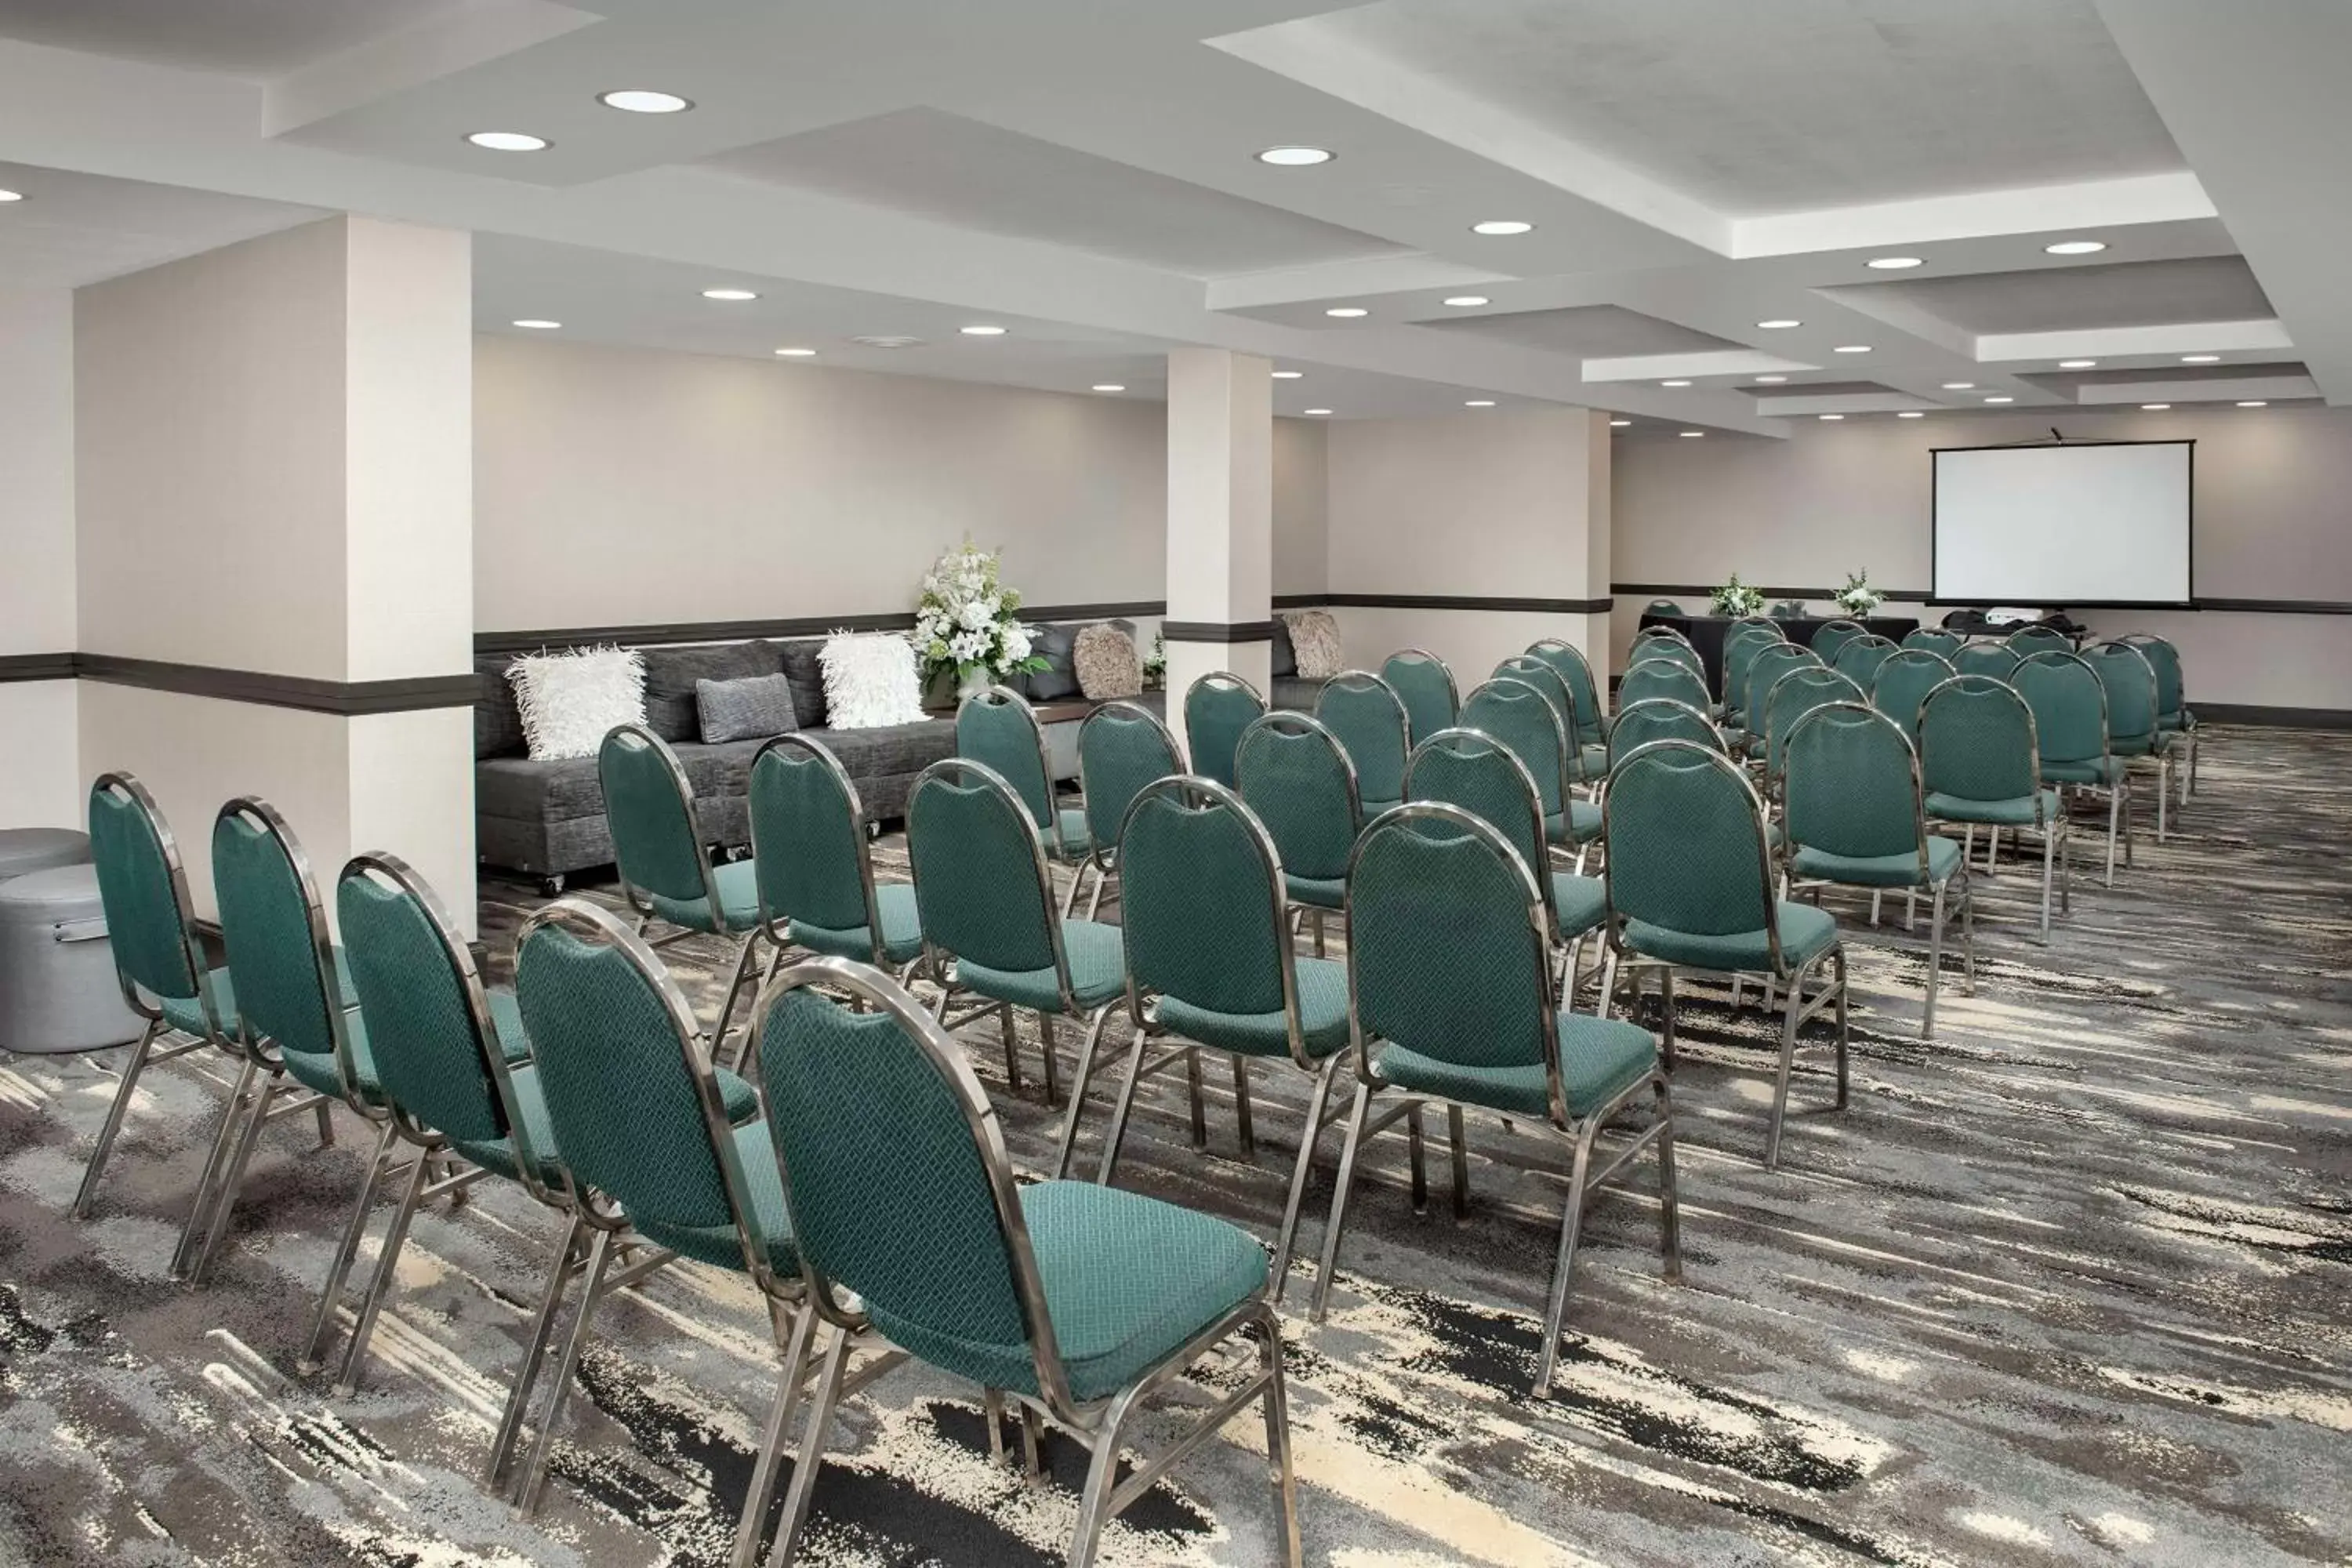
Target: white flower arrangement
1735, 598
1858, 598
965, 622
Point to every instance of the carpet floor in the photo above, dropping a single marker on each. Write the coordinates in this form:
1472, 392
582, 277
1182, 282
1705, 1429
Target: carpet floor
2070, 1284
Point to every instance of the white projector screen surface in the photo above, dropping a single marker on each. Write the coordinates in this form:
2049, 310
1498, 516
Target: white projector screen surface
2061, 526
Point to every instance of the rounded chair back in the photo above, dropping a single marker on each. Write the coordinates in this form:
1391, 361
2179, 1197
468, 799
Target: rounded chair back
1832, 636
1860, 657
981, 879
1903, 683
1979, 657
2029, 640
1668, 680
1851, 786
1122, 747
808, 839
1741, 647
1569, 662
1659, 719
1217, 707
1662, 607
1299, 781
1792, 697
1977, 740
657, 839
1449, 947
1477, 773
1764, 670
1523, 718
1668, 648
143, 889
278, 953
1935, 639
1425, 684
1653, 634
2165, 660
2069, 703
2129, 677
997, 729
1205, 919
1369, 717
1535, 672
1687, 851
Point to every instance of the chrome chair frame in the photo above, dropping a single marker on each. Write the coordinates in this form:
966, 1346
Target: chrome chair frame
1286, 721
1214, 679
1562, 722
1104, 857
2185, 738
1774, 762
2056, 831
1797, 1010
1645, 634
2160, 752
1546, 649
1364, 680
1533, 669
940, 962
1582, 1134
747, 948
1097, 1425
1195, 792
144, 1054
1939, 913
1453, 688
1058, 850
779, 925
1867, 640
2118, 790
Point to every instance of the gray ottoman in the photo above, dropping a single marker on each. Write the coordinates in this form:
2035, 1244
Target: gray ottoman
57, 986
26, 849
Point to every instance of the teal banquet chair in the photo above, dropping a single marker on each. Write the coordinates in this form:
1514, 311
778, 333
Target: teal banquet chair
990, 928
815, 870
1861, 659
1583, 762
1645, 635
1903, 683
998, 730
1297, 779
2070, 727
1691, 889
664, 859
2173, 715
1217, 707
158, 962
1763, 672
1935, 639
1741, 644
1666, 646
1122, 747
1832, 636
1076, 1302
1981, 763
1210, 966
1527, 718
1659, 719
1793, 695
1368, 719
2028, 640
1451, 1003
662, 1169
1424, 683
1646, 680
2132, 732
1856, 818
1980, 656
1662, 607
1568, 661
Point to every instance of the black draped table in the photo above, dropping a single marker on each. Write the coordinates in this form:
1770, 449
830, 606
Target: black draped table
1707, 633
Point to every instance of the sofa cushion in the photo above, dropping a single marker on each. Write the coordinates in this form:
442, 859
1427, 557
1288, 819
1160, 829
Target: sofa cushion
527, 791
498, 723
671, 674
799, 658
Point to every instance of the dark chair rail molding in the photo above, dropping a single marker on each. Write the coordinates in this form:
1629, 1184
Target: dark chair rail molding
1444, 601
346, 698
1217, 631
1920, 596
652, 631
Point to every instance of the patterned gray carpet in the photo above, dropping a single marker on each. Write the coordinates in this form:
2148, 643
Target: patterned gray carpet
2072, 1285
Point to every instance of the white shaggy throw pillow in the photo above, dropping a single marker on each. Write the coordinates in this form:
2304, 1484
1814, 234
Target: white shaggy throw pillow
569, 700
870, 682
1315, 638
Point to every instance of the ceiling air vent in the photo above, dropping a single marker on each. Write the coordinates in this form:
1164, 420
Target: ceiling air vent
887, 341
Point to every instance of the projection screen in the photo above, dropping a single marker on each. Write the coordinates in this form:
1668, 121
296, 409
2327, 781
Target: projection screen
2082, 524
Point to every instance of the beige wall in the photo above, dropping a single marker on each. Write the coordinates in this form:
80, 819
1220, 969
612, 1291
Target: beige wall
1489, 505
2273, 487
1301, 531
40, 782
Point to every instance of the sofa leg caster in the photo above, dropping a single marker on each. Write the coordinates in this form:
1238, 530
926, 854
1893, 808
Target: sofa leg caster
550, 886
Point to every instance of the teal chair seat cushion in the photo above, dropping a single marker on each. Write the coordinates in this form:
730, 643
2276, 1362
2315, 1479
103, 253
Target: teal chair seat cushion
1806, 932
2025, 810
497, 1153
2101, 771
1129, 1281
1322, 1018
1323, 892
2181, 719
1580, 824
1600, 1059
718, 1245
1582, 904
1372, 808
318, 1069
1098, 972
1076, 838
1594, 760
186, 1014
738, 882
902, 929
1812, 865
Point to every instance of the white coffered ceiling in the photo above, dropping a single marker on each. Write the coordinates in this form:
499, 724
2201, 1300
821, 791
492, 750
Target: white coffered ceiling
1083, 173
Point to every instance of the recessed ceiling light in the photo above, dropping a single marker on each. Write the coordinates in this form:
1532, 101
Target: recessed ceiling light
731, 295
1501, 226
1770, 380
2155, 407
797, 354
2076, 247
2200, 359
1832, 416
1288, 374
1479, 403
1619, 424
1777, 322
1295, 157
2253, 403
2076, 363
1895, 263
1690, 435
1912, 413
1852, 349
1318, 411
1110, 386
1674, 384
981, 332
537, 325
12, 195
1347, 312
1960, 386
1466, 302
2000, 400
507, 140
637, 101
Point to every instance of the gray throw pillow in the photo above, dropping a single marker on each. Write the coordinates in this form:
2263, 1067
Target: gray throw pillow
1059, 678
1286, 657
749, 709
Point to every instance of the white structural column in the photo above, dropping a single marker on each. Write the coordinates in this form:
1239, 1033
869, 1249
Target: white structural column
1219, 520
40, 783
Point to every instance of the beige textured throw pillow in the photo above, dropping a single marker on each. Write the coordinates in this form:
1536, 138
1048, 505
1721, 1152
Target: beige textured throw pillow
1106, 663
1315, 636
